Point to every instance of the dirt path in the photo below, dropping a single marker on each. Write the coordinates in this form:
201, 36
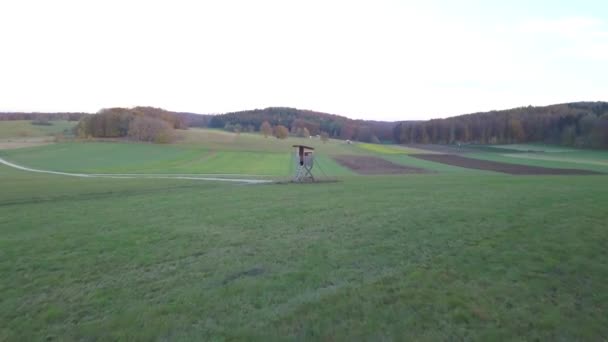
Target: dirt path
130, 176
512, 169
368, 165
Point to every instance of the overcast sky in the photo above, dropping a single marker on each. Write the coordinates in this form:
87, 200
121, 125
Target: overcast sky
383, 60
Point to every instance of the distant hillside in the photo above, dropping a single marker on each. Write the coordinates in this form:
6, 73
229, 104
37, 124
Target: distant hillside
581, 124
191, 119
194, 119
315, 122
69, 116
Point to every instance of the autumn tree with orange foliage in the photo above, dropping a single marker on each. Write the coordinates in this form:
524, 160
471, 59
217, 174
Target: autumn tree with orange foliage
281, 132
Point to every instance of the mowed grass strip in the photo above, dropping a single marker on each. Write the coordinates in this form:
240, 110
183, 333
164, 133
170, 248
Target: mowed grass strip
534, 148
570, 160
402, 257
389, 149
382, 149
561, 157
433, 166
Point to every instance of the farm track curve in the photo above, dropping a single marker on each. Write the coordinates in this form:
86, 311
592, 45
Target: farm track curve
140, 175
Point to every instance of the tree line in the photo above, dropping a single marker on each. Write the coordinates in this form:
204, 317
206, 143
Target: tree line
299, 121
581, 124
33, 116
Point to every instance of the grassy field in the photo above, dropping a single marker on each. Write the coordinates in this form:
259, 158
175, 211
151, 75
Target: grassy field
197, 152
434, 167
586, 160
533, 148
383, 149
106, 157
541, 155
390, 149
109, 157
455, 254
254, 142
423, 257
25, 129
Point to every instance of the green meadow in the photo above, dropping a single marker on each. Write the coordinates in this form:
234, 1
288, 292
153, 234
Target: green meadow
113, 157
547, 156
25, 129
454, 254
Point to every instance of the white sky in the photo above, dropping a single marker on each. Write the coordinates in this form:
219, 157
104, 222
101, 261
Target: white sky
381, 59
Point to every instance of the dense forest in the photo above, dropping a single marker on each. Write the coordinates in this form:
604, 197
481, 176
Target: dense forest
315, 123
194, 119
580, 124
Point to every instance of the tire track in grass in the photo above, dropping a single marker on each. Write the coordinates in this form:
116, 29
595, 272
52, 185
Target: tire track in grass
131, 176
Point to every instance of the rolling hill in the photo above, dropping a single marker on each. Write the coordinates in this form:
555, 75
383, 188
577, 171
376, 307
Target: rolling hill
578, 124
